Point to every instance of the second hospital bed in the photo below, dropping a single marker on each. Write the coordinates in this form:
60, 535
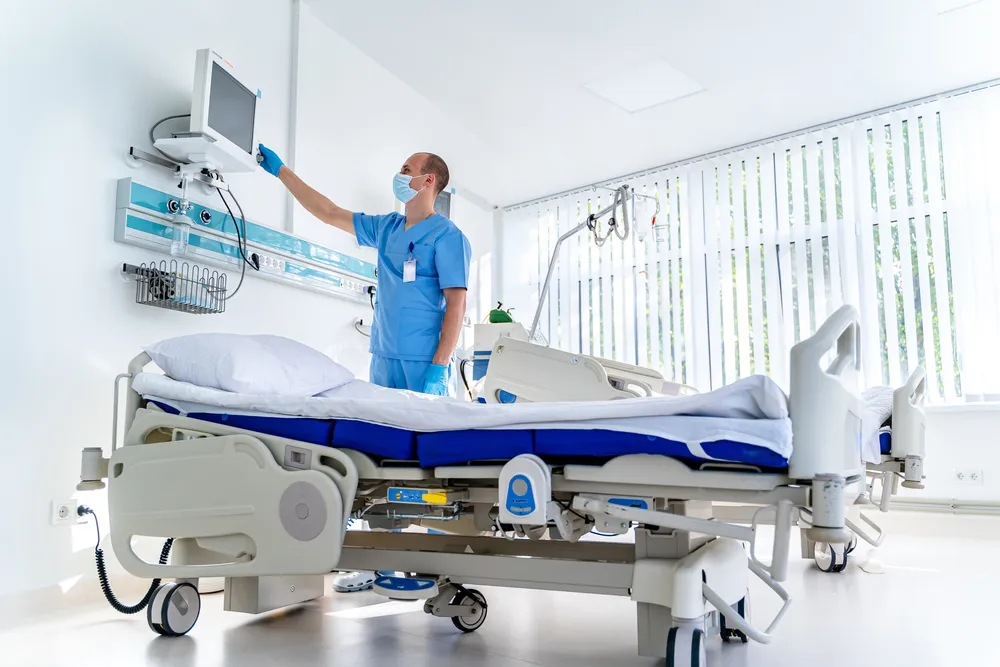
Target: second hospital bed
260, 491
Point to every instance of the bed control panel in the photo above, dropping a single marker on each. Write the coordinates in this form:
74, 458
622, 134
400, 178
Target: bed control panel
526, 489
409, 496
520, 496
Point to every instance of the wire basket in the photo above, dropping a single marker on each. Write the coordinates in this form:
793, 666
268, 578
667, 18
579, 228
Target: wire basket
185, 287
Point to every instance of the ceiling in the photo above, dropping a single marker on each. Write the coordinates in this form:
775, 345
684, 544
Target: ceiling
513, 72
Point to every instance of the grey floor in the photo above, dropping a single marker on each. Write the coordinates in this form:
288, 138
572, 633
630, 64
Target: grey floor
934, 606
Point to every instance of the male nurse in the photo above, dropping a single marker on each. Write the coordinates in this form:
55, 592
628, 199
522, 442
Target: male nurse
423, 276
423, 272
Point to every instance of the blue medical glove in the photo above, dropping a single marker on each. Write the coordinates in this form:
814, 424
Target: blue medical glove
271, 163
436, 380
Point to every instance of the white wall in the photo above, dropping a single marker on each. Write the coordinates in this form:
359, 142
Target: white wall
961, 438
357, 124
81, 82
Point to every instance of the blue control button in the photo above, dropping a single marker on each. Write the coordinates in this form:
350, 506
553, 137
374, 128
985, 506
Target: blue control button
520, 499
404, 584
506, 397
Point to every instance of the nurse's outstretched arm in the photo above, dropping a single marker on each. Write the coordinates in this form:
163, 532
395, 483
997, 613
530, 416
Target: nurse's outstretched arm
451, 327
321, 207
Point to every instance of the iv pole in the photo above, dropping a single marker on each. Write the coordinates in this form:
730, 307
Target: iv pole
620, 196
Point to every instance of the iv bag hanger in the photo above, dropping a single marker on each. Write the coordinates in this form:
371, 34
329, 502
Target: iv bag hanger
618, 227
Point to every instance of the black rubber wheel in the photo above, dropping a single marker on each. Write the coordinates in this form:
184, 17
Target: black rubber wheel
470, 597
731, 634
832, 557
174, 609
686, 648
826, 557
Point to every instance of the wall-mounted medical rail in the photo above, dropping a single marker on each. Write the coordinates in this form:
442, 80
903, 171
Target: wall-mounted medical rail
144, 218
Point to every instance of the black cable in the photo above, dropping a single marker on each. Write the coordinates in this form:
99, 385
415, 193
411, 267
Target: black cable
241, 239
461, 371
371, 299
239, 247
240, 235
102, 571
244, 218
152, 139
570, 509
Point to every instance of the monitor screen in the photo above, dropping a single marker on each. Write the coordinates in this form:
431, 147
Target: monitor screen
442, 205
231, 109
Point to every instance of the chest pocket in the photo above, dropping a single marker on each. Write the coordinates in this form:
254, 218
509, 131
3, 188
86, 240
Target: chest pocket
423, 254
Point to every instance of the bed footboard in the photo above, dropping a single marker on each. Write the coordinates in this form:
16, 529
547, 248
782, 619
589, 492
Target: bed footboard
825, 404
232, 510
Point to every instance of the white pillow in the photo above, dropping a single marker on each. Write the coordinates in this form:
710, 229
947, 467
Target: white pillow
241, 364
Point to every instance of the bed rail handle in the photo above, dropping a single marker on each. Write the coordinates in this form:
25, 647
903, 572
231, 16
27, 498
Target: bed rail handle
915, 389
841, 330
737, 622
138, 363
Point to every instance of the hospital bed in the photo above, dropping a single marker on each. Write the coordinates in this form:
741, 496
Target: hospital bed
893, 451
263, 498
517, 370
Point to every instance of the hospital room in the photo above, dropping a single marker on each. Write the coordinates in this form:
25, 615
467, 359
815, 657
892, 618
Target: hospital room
649, 333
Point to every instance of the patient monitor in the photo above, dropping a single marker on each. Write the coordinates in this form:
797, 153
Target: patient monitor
223, 113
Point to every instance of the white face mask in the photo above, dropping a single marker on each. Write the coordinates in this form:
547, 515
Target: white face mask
401, 187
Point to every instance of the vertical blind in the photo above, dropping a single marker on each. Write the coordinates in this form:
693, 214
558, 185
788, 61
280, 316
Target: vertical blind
974, 173
753, 249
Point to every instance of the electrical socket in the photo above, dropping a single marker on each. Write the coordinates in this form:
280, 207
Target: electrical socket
64, 513
969, 476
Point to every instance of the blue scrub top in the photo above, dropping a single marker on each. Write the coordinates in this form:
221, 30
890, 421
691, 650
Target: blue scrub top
408, 316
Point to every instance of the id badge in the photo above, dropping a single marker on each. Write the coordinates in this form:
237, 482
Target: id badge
409, 270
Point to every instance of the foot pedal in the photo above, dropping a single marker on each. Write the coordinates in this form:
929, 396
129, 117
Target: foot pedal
406, 588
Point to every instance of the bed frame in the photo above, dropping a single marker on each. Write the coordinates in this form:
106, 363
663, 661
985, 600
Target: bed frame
270, 515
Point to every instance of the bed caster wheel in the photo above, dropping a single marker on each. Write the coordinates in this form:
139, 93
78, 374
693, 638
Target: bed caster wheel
831, 557
470, 597
173, 609
731, 634
686, 647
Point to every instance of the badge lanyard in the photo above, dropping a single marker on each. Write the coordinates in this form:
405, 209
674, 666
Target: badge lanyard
410, 267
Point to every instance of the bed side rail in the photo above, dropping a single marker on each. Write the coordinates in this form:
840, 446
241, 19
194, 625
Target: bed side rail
93, 465
133, 401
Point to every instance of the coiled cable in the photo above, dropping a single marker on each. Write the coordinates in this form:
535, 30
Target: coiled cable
102, 571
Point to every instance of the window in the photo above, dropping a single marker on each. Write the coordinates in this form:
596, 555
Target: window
477, 304
751, 252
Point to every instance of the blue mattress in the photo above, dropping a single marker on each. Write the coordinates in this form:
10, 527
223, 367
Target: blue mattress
460, 447
885, 441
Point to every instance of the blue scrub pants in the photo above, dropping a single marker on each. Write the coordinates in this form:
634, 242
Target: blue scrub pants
398, 374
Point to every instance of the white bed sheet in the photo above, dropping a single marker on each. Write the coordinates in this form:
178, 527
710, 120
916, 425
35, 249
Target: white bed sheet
753, 411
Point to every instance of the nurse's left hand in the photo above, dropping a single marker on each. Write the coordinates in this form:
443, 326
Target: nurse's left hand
269, 160
436, 380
